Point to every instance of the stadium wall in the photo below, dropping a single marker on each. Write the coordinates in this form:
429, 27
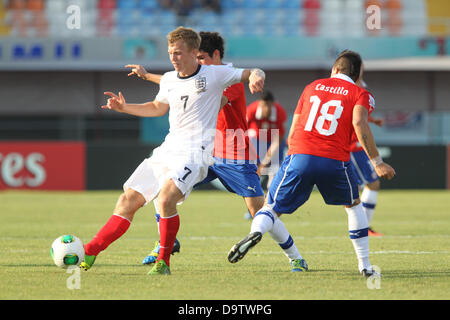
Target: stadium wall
106, 166
81, 92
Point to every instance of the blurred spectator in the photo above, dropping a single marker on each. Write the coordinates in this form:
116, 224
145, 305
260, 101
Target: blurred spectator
17, 20
182, 9
213, 5
38, 20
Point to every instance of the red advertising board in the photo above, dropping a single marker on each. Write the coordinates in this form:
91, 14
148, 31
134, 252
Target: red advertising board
42, 165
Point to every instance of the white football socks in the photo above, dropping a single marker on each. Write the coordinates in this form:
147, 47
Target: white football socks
369, 201
358, 231
263, 220
266, 220
281, 235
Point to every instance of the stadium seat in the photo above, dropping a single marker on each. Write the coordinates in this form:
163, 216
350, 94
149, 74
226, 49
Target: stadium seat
292, 4
37, 23
335, 6
274, 4
394, 20
106, 4
127, 4
311, 4
227, 5
311, 17
354, 6
252, 4
238, 4
148, 4
17, 18
415, 18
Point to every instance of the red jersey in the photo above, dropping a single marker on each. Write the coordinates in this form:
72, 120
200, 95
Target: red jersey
325, 108
276, 120
233, 144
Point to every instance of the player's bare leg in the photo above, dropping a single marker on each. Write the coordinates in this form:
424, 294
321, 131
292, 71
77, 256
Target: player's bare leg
254, 204
127, 205
169, 224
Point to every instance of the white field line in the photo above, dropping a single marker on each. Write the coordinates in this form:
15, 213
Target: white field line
231, 238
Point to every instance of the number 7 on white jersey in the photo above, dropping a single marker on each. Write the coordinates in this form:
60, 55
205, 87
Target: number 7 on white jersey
316, 102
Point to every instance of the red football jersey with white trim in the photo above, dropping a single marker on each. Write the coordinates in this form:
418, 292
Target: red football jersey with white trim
325, 108
231, 141
276, 121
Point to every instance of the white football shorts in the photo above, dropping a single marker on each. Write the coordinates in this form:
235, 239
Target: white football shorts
185, 169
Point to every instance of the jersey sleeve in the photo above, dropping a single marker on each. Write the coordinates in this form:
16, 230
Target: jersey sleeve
233, 92
163, 95
367, 101
228, 75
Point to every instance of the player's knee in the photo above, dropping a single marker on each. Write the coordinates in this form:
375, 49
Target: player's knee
374, 186
167, 204
129, 202
355, 203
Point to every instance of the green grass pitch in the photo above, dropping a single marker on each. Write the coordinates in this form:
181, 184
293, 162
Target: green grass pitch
414, 254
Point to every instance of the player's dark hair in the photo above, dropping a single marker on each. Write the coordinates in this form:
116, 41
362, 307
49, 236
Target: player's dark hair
267, 96
212, 41
349, 63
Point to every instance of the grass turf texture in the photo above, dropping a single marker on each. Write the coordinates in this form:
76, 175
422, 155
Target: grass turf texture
414, 254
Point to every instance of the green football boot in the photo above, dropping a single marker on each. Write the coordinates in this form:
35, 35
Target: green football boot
88, 262
160, 268
299, 265
151, 258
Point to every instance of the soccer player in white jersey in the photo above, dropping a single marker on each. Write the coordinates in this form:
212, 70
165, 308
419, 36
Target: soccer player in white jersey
235, 169
192, 95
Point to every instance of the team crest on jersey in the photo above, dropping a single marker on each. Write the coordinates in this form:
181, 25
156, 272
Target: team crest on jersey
200, 84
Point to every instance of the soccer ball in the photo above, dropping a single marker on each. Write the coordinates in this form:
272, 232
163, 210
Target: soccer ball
66, 251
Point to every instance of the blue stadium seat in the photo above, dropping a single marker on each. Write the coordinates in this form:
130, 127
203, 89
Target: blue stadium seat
292, 4
252, 4
227, 4
272, 4
148, 4
127, 4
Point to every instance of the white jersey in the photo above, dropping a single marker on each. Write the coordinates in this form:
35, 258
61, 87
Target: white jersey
194, 103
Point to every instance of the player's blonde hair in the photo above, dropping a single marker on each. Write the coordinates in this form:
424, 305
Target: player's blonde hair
188, 35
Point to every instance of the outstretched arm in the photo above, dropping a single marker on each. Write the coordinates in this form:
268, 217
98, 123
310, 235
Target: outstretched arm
138, 70
255, 78
365, 137
147, 109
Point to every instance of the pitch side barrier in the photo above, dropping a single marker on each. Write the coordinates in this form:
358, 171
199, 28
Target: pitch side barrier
66, 165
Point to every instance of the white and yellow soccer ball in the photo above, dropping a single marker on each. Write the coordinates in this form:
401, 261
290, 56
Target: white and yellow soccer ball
67, 250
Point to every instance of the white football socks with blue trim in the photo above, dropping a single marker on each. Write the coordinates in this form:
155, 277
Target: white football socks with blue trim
358, 228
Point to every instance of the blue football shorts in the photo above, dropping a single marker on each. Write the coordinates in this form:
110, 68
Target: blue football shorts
299, 173
239, 177
365, 172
